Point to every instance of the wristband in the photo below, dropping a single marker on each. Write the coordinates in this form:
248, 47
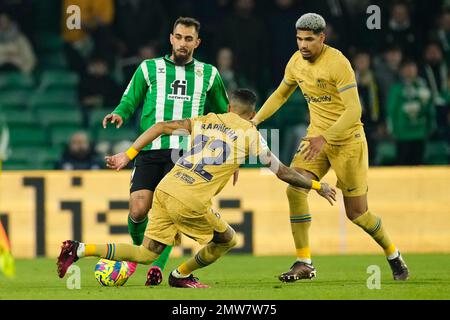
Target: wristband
316, 185
131, 153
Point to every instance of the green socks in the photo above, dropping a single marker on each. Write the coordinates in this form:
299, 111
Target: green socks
137, 230
163, 257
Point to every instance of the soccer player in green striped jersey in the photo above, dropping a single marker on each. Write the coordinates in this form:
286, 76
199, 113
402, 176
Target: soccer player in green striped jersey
172, 87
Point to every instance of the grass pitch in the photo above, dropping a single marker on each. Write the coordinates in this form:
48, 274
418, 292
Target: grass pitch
243, 277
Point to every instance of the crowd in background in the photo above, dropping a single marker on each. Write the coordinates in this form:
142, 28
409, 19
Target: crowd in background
402, 69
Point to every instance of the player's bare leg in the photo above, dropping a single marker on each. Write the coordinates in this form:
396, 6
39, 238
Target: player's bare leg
140, 204
357, 211
300, 223
221, 243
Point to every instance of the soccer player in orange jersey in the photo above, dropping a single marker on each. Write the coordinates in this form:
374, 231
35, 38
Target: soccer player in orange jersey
182, 200
335, 138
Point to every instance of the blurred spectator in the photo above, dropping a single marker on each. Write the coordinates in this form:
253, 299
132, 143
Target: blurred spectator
442, 34
79, 155
443, 115
226, 69
16, 52
333, 38
282, 36
248, 39
387, 69
336, 13
424, 15
139, 22
372, 112
446, 129
129, 65
401, 31
20, 11
94, 35
211, 14
435, 72
97, 89
410, 115
244, 33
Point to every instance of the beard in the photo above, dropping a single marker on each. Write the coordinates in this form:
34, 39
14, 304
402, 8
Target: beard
307, 58
181, 59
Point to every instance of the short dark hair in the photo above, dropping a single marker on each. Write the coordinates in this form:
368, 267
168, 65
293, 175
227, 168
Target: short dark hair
392, 47
246, 97
435, 44
407, 62
188, 22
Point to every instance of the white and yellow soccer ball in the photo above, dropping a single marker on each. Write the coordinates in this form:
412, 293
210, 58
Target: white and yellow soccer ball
111, 273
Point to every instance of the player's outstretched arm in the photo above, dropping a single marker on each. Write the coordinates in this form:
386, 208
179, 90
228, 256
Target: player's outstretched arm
296, 179
132, 97
176, 127
274, 102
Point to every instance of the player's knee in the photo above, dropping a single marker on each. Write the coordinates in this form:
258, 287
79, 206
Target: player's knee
227, 238
355, 209
140, 204
138, 211
354, 214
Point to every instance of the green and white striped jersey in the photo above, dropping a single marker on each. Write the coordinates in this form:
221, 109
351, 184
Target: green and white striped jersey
171, 92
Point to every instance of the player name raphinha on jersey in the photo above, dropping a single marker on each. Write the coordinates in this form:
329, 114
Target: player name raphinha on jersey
221, 128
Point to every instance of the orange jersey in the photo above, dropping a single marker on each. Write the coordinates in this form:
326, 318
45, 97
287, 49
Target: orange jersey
321, 82
220, 143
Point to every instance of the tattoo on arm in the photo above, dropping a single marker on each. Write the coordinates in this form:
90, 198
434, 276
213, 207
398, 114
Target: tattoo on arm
180, 124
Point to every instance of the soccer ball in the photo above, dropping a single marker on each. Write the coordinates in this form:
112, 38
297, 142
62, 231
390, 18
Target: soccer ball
111, 273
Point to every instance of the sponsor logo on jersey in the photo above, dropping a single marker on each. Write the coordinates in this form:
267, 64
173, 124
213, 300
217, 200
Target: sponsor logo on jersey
184, 177
179, 89
317, 99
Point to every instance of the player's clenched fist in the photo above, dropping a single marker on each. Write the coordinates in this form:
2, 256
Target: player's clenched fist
117, 161
114, 118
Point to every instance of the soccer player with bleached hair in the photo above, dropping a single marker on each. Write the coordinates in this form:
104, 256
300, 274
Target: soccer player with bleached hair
182, 200
335, 139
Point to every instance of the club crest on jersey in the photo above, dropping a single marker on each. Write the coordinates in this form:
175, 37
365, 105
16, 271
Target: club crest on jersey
198, 72
322, 84
179, 90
